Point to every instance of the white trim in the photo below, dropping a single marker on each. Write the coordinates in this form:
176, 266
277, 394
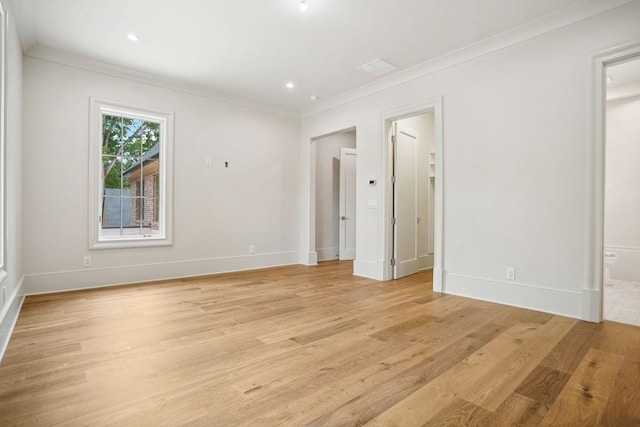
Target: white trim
308, 258
4, 22
552, 22
369, 269
425, 261
9, 317
97, 108
55, 56
622, 248
71, 280
434, 105
326, 254
594, 191
524, 295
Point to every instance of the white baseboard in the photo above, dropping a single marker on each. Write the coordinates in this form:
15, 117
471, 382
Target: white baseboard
9, 316
308, 258
369, 269
591, 305
438, 280
325, 254
425, 261
113, 276
554, 301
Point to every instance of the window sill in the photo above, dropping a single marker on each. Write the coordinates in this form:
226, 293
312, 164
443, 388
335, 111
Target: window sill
146, 242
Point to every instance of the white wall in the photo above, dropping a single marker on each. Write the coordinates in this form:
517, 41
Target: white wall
13, 281
424, 125
622, 191
218, 211
516, 180
328, 191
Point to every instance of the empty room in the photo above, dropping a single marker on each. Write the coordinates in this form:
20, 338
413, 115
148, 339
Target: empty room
318, 212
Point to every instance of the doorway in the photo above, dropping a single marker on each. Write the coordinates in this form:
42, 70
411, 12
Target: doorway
335, 195
413, 152
621, 241
414, 192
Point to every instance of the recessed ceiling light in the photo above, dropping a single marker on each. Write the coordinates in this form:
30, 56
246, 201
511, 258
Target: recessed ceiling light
290, 85
133, 37
314, 98
303, 5
609, 80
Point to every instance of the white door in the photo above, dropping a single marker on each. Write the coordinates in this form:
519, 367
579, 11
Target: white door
347, 203
405, 201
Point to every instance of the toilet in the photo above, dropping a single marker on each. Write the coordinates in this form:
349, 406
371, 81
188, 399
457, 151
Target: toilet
610, 258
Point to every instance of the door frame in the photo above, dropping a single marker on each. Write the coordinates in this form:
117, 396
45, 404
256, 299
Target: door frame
312, 257
592, 292
434, 105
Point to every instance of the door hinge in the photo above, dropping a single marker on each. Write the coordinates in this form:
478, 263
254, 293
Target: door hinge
393, 261
394, 221
393, 139
393, 179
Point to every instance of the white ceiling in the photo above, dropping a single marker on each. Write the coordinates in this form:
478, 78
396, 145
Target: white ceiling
249, 49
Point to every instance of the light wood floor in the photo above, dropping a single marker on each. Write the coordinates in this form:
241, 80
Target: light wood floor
310, 345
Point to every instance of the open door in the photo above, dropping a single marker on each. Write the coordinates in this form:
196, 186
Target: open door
405, 201
347, 204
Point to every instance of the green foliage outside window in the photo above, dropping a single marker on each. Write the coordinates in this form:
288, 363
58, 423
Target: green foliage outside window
124, 142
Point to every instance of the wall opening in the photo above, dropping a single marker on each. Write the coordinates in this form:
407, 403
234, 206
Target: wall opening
621, 261
333, 191
427, 211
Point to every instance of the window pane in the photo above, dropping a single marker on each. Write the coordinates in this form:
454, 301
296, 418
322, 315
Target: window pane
112, 215
112, 175
150, 225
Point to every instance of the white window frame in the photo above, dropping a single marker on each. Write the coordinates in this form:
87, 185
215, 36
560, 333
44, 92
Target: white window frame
3, 137
99, 108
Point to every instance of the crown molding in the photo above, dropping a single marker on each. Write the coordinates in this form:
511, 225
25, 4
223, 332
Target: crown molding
83, 63
546, 24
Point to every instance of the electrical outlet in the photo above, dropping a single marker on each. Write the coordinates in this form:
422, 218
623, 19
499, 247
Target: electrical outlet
252, 249
86, 261
511, 273
208, 162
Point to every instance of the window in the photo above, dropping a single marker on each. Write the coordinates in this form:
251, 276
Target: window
131, 175
3, 133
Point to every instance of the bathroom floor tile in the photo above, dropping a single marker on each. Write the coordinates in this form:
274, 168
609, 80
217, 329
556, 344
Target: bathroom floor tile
622, 301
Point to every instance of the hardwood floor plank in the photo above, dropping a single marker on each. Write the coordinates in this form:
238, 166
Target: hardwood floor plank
460, 413
455, 380
370, 404
496, 385
326, 332
543, 384
583, 399
306, 409
572, 347
518, 410
623, 405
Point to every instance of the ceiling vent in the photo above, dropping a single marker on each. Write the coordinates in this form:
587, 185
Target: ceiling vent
377, 67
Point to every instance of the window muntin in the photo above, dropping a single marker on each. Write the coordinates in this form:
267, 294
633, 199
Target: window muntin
131, 153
